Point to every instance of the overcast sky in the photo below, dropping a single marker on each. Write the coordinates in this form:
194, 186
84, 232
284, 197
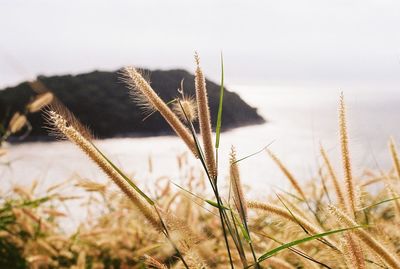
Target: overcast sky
315, 40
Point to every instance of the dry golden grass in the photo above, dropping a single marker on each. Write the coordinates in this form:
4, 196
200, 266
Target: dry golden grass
192, 226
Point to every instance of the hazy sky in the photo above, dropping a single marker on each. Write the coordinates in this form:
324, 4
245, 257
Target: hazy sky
315, 40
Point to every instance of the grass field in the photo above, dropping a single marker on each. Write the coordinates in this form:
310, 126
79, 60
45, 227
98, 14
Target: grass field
332, 221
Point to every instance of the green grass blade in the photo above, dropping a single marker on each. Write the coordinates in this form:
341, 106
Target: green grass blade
381, 202
303, 240
221, 101
215, 204
127, 179
255, 153
210, 202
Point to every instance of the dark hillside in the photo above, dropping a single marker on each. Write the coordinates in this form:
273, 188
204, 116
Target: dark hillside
102, 102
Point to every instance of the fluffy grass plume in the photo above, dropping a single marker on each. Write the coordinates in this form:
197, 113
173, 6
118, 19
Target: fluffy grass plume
395, 156
338, 191
293, 181
91, 151
344, 143
40, 102
368, 240
140, 86
204, 119
238, 194
17, 122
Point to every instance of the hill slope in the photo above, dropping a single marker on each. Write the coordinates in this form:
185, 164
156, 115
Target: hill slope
102, 102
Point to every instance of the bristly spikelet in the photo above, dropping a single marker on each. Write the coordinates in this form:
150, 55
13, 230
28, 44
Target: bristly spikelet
238, 194
284, 213
395, 156
153, 263
137, 95
186, 108
87, 147
67, 115
370, 242
344, 142
353, 252
293, 181
136, 82
204, 119
332, 174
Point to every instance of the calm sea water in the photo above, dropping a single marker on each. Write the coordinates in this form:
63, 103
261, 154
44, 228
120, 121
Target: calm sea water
300, 118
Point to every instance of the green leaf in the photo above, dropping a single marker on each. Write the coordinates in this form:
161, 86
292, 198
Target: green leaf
255, 153
221, 101
127, 179
381, 202
215, 204
303, 240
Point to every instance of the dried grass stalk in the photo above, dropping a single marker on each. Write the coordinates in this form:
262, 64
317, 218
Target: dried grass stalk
353, 252
204, 119
284, 213
293, 181
365, 237
238, 194
344, 142
395, 156
153, 263
332, 174
87, 147
141, 87
40, 102
17, 122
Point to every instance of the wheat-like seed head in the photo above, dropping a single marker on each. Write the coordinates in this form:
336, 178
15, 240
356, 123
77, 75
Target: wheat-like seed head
17, 122
284, 213
204, 119
238, 194
135, 81
153, 263
353, 252
369, 241
293, 181
344, 141
332, 174
40, 102
395, 156
87, 147
186, 108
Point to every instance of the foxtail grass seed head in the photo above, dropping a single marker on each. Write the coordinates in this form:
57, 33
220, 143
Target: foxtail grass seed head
87, 147
188, 109
153, 263
17, 122
344, 142
238, 194
141, 87
353, 252
395, 156
293, 181
332, 174
204, 119
40, 102
368, 240
284, 213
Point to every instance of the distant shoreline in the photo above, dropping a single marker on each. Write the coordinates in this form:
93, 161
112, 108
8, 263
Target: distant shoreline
50, 138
